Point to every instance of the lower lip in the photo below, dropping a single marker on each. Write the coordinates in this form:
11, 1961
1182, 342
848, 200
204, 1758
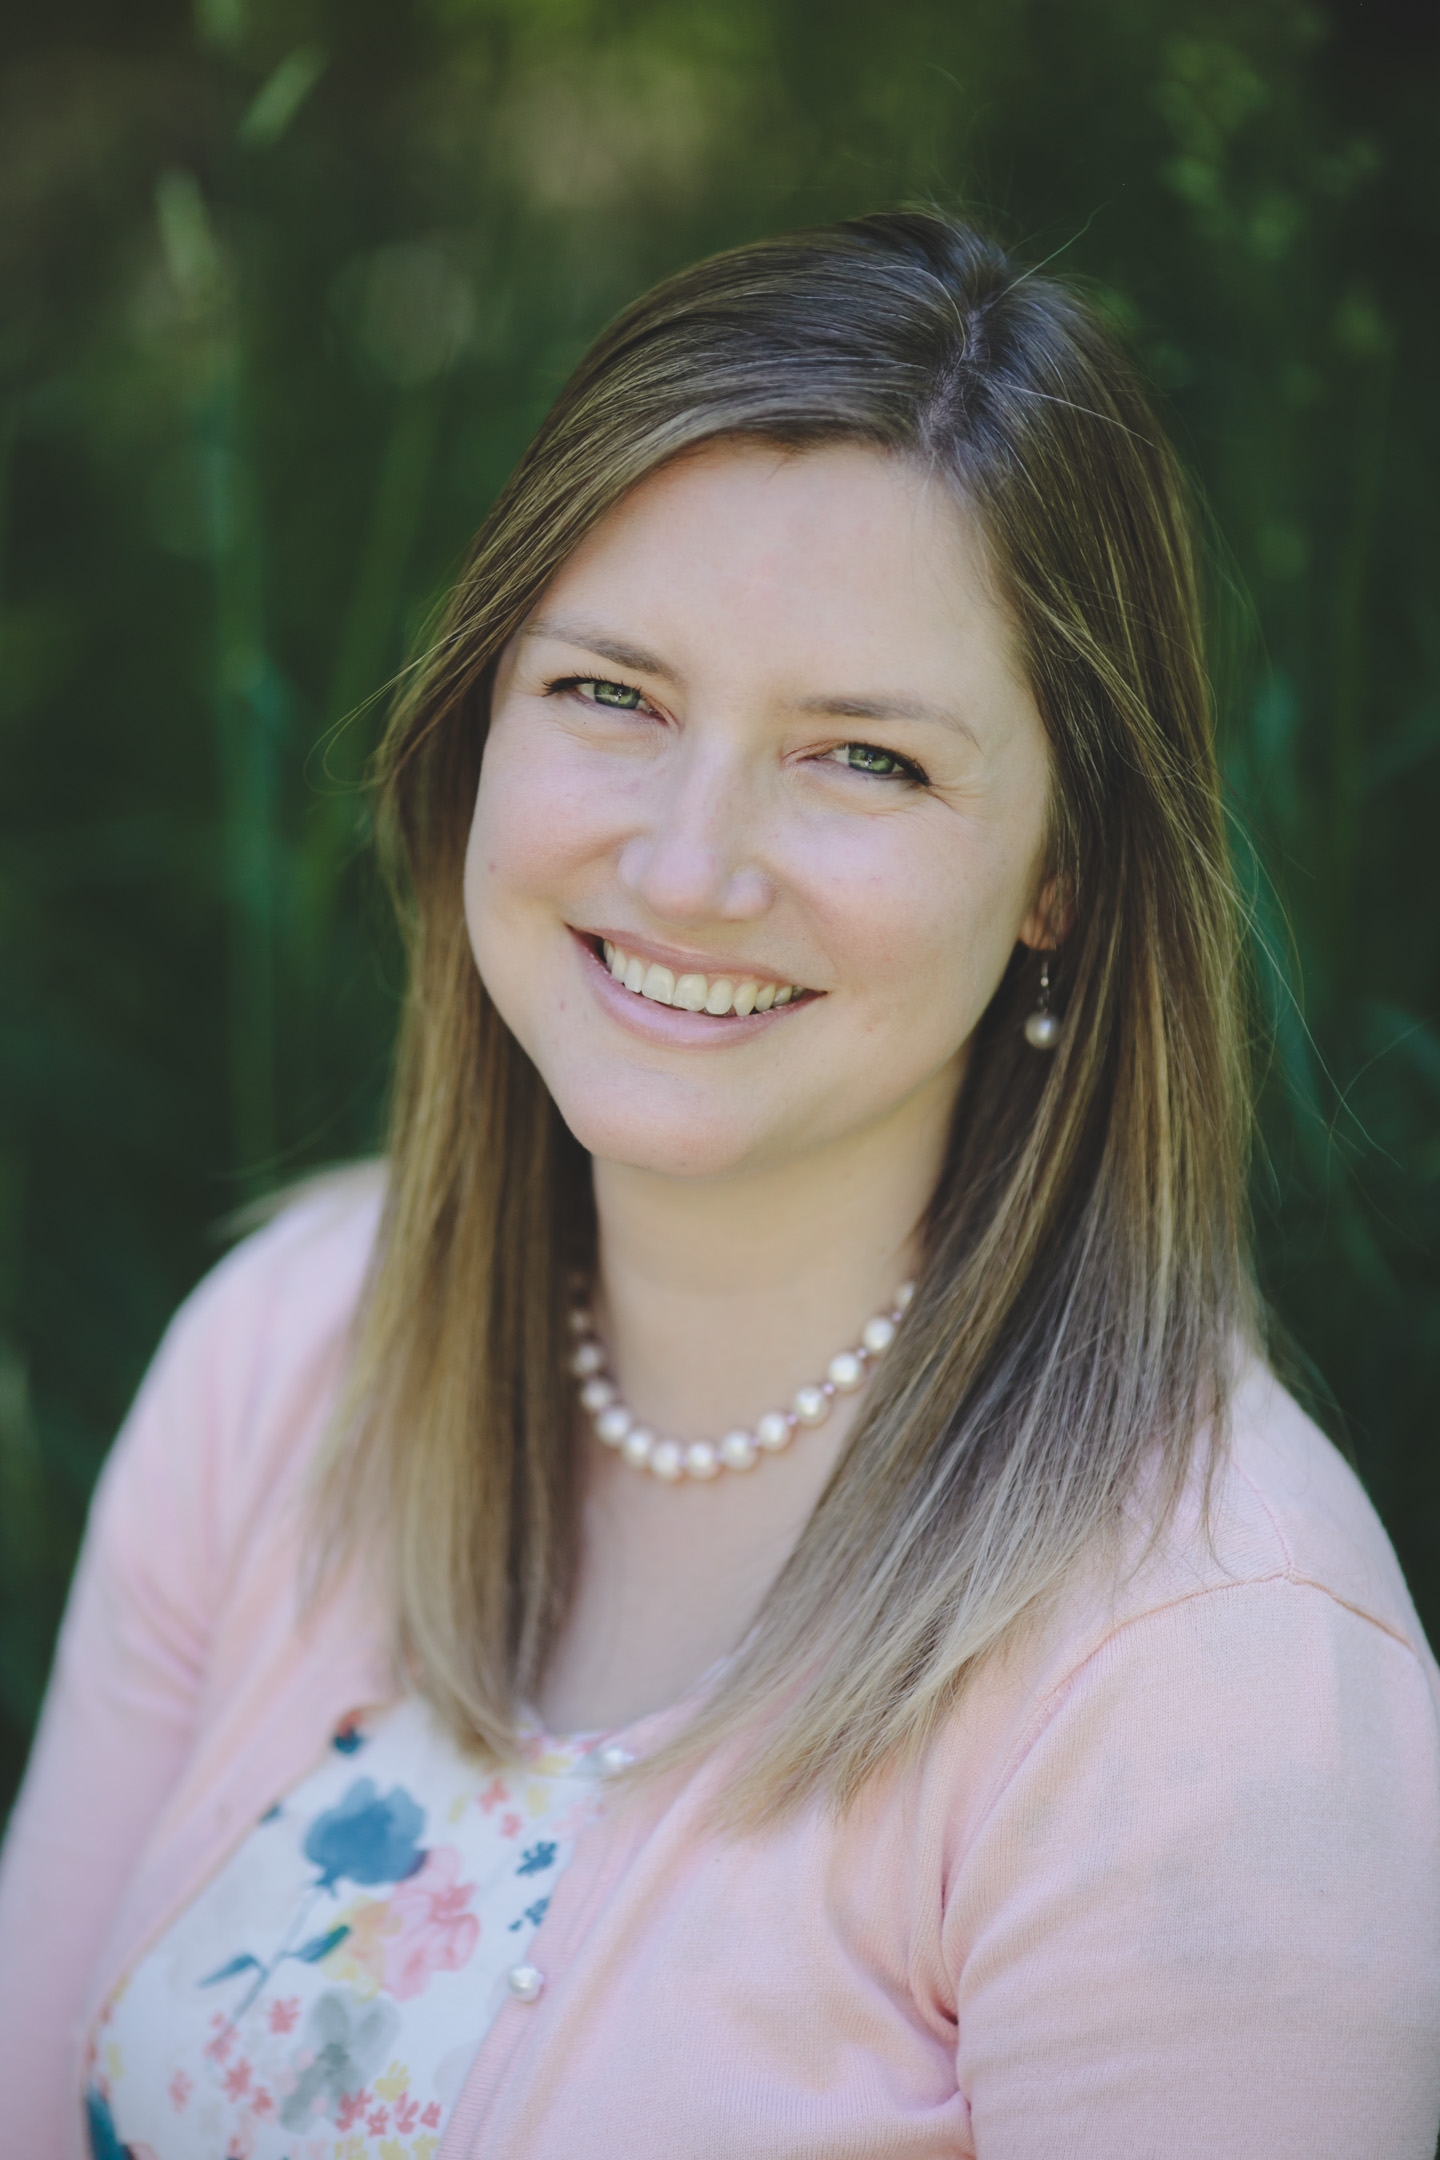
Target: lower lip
654, 1023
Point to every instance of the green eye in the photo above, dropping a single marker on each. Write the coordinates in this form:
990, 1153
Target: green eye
864, 757
619, 695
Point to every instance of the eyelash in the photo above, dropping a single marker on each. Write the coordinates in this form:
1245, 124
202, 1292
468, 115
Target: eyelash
905, 768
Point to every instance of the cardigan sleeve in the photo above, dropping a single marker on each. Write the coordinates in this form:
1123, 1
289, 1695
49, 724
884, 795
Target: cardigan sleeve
117, 1725
1202, 1916
169, 1528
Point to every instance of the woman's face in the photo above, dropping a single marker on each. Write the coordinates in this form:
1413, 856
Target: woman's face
765, 736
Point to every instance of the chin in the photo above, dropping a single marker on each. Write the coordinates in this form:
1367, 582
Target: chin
666, 1138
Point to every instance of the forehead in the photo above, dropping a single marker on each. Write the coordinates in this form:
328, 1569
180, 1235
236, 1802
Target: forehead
845, 546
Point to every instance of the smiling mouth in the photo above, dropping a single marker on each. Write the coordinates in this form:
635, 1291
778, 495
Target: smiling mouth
717, 995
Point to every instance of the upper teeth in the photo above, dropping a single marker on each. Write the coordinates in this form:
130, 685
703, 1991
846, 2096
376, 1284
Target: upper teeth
695, 993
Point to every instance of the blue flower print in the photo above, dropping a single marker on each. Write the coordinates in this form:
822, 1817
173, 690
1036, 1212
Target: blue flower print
538, 1858
366, 1839
347, 1738
104, 2137
533, 1913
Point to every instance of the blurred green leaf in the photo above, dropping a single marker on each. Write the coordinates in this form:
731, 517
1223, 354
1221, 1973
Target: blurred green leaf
281, 96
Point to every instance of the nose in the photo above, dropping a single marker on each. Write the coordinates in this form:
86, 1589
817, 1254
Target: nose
693, 859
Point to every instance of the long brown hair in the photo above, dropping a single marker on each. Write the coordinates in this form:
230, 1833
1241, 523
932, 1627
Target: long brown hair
1085, 1281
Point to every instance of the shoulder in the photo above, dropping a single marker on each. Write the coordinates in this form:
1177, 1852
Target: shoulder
241, 1387
1269, 1607
297, 1279
1196, 1819
1282, 1505
1274, 1547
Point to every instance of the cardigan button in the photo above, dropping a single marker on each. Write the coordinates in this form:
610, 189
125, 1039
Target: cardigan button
614, 1758
525, 1982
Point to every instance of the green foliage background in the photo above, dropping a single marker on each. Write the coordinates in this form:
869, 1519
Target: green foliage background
287, 283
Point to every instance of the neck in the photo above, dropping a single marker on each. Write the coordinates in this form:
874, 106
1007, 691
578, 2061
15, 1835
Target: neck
720, 1296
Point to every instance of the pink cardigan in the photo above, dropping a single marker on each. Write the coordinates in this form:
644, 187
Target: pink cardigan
1167, 1886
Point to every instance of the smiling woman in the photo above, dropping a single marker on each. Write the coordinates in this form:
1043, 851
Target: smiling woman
784, 1455
712, 816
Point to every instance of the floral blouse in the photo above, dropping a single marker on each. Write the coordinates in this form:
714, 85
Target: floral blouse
323, 1996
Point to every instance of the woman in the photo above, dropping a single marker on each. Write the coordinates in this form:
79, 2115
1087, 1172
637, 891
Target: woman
758, 1597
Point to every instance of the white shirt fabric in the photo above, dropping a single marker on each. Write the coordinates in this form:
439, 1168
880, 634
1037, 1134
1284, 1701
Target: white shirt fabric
323, 1996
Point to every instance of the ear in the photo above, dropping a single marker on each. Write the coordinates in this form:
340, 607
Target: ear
1052, 916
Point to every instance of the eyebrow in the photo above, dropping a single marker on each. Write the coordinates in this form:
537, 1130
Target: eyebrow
887, 708
588, 637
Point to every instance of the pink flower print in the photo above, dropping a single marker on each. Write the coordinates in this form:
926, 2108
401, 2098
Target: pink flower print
222, 2037
433, 1932
237, 2080
511, 1825
352, 2107
407, 2114
431, 2116
577, 1817
284, 2014
262, 2104
179, 2089
378, 2123
496, 1793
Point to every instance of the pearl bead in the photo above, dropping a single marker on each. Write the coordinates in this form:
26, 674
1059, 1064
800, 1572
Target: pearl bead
525, 1982
613, 1758
773, 1431
845, 1372
1042, 1030
673, 1460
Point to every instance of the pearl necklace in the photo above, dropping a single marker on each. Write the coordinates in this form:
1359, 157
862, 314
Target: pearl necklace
616, 1426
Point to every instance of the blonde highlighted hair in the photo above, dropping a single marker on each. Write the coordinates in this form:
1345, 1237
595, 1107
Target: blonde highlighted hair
1086, 1276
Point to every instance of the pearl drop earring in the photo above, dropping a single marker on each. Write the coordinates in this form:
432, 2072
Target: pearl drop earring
1042, 1027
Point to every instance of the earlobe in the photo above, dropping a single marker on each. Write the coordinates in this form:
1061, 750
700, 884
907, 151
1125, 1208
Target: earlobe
1052, 917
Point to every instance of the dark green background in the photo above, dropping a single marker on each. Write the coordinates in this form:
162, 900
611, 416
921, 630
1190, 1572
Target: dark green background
287, 283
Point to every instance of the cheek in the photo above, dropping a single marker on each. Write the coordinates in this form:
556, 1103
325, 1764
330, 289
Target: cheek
534, 824
931, 929
884, 931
